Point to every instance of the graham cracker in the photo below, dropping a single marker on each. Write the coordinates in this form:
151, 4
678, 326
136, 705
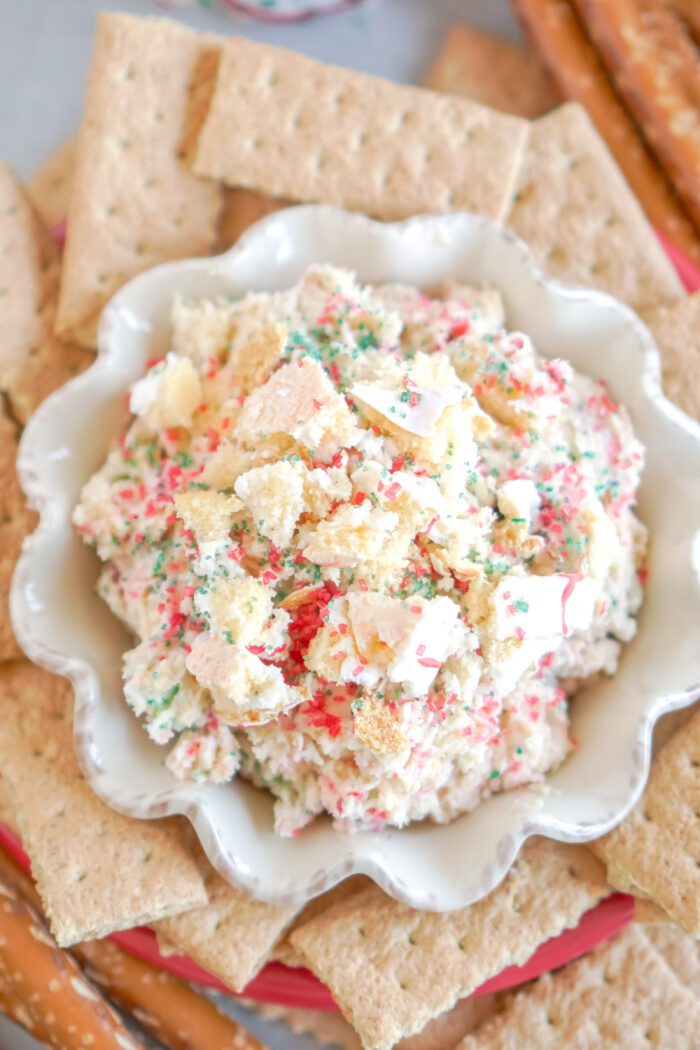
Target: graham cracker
96, 870
135, 202
32, 361
15, 522
50, 187
241, 209
289, 126
7, 811
580, 218
28, 276
391, 969
232, 935
621, 995
284, 951
492, 71
677, 332
656, 849
681, 952
648, 913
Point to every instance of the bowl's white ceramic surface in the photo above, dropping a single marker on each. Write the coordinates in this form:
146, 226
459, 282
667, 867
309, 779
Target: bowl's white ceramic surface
62, 624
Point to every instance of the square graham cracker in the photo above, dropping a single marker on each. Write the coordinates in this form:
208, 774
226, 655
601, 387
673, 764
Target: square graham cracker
492, 71
135, 202
391, 969
290, 127
621, 995
580, 218
96, 870
232, 935
676, 330
655, 851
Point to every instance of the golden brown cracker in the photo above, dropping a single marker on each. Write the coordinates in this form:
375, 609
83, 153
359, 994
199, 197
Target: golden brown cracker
50, 187
96, 870
656, 849
288, 126
32, 361
15, 523
135, 202
492, 71
648, 913
676, 330
232, 935
28, 277
391, 969
284, 951
241, 209
621, 995
580, 218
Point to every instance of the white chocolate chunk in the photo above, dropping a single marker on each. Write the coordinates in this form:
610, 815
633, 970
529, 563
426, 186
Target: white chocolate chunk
518, 500
334, 654
543, 606
411, 638
299, 400
414, 409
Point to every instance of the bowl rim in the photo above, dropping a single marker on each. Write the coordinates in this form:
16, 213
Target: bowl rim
82, 674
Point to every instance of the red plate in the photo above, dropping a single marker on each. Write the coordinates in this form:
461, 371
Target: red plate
286, 986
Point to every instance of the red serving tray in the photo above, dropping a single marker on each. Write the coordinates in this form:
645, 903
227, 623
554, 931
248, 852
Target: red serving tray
287, 986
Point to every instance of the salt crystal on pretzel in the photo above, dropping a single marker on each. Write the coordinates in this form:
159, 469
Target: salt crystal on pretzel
646, 58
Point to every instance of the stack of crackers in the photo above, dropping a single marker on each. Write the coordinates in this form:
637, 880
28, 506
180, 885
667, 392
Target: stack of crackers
185, 140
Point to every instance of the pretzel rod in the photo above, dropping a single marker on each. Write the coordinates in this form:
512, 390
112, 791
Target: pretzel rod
164, 1006
689, 10
43, 989
557, 35
647, 71
675, 43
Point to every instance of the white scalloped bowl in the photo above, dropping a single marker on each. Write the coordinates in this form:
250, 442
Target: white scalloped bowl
62, 624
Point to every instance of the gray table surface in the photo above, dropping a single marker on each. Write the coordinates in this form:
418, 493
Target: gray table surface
44, 55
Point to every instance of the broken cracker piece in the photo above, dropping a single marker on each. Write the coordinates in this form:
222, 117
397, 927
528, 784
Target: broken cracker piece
377, 726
